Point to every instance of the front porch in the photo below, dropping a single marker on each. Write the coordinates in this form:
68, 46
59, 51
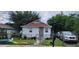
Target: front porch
4, 36
3, 33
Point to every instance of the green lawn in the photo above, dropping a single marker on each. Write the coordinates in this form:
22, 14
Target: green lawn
47, 42
17, 41
58, 42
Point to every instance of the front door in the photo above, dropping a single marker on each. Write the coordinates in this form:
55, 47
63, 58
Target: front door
41, 33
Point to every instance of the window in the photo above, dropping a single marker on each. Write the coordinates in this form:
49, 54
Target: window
3, 30
30, 29
46, 30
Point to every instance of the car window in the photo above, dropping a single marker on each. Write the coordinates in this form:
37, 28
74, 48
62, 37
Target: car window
67, 33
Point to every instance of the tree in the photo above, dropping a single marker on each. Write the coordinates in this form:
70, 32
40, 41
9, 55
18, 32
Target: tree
76, 25
20, 18
61, 22
56, 22
70, 22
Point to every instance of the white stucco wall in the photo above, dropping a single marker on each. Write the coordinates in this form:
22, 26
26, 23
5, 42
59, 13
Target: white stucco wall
35, 32
47, 34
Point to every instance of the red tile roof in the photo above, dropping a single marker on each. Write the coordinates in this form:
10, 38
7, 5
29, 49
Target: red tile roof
36, 25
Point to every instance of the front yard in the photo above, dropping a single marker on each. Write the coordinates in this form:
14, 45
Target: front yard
17, 41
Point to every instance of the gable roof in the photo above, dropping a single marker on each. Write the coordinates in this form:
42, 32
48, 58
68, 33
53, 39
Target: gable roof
4, 26
36, 24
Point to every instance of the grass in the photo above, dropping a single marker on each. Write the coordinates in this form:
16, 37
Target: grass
18, 41
58, 42
47, 42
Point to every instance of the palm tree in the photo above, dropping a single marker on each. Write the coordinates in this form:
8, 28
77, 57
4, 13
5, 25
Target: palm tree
20, 18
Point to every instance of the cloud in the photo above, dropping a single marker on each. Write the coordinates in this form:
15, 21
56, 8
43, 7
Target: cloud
45, 15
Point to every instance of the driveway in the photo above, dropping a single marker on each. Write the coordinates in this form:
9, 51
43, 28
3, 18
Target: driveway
71, 45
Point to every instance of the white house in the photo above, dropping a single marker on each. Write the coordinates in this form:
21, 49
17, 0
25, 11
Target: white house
5, 30
33, 29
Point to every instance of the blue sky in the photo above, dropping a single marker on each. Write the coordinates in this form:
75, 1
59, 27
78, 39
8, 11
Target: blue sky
45, 15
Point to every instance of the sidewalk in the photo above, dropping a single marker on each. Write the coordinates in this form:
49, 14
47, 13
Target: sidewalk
24, 46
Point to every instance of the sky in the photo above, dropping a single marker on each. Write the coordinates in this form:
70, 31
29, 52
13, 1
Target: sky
4, 16
45, 15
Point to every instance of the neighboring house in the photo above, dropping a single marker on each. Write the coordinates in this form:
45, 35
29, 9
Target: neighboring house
5, 30
33, 29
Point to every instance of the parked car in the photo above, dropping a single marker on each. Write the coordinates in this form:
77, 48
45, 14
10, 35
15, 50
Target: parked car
67, 36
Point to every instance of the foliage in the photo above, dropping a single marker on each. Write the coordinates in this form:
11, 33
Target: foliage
58, 42
20, 18
61, 22
76, 26
20, 41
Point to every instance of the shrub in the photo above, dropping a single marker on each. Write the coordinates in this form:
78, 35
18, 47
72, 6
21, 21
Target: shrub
16, 35
47, 38
25, 37
33, 38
